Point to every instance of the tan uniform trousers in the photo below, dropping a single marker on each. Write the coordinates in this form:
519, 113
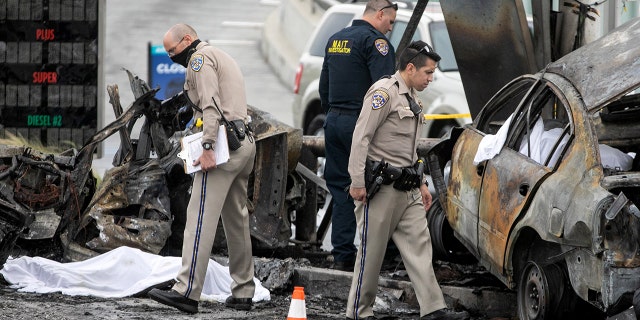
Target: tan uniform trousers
398, 215
219, 192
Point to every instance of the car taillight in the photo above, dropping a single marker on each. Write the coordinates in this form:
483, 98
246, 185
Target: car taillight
296, 84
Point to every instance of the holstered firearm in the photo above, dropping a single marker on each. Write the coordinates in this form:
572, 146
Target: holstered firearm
373, 176
378, 173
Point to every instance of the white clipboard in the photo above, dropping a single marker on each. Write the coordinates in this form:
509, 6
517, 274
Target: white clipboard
192, 150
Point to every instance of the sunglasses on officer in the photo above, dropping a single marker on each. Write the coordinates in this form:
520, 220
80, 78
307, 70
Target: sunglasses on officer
426, 49
391, 5
171, 52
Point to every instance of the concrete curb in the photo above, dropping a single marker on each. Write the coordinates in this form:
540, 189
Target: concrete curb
490, 302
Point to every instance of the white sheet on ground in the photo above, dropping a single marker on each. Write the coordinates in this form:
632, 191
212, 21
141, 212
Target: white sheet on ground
121, 272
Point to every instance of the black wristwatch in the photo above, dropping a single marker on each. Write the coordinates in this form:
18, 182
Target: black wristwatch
207, 146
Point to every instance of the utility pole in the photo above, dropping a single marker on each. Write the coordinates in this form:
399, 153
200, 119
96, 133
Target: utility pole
411, 26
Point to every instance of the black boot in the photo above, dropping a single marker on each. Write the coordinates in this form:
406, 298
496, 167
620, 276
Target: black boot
174, 299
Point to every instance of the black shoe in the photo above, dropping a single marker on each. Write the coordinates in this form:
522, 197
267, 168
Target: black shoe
174, 299
446, 314
343, 265
239, 303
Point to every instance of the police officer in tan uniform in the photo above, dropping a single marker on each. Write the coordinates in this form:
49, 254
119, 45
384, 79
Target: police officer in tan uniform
217, 190
387, 130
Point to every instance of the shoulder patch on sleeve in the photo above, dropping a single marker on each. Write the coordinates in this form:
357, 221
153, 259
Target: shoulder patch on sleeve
382, 46
196, 62
379, 99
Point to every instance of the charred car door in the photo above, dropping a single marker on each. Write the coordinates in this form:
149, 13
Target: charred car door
530, 152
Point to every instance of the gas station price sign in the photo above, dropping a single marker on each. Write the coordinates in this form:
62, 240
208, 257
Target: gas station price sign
49, 69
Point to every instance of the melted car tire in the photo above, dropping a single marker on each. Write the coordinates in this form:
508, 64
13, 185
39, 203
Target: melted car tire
540, 291
441, 128
548, 287
446, 246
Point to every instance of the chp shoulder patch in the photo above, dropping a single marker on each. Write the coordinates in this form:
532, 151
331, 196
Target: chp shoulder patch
379, 99
196, 62
382, 46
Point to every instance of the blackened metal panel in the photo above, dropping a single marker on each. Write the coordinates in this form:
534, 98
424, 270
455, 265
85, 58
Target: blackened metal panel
267, 199
492, 44
463, 190
542, 21
277, 153
606, 68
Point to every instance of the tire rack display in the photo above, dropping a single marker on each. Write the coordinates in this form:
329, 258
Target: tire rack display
49, 70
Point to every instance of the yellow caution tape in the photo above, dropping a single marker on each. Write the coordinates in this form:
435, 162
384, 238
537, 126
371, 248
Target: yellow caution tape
446, 116
198, 122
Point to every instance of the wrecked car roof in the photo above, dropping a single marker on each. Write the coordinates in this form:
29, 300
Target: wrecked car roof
605, 69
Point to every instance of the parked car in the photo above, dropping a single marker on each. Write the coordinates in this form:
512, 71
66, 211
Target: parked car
445, 95
547, 199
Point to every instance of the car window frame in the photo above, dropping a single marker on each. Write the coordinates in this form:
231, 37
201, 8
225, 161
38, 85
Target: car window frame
445, 50
328, 28
495, 112
395, 35
527, 94
533, 107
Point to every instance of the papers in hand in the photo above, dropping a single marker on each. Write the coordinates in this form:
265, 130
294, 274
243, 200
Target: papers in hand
192, 149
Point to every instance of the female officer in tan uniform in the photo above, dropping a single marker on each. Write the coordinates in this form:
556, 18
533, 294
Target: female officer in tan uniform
388, 129
217, 190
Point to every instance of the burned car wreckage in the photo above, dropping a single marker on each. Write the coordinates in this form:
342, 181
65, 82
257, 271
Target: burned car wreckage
553, 213
543, 187
142, 200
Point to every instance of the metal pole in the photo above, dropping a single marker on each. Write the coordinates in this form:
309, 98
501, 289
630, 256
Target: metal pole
411, 27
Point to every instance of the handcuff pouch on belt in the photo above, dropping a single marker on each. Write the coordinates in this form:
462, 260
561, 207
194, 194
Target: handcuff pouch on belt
409, 179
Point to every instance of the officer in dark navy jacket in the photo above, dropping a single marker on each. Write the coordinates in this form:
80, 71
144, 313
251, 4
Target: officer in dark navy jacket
355, 57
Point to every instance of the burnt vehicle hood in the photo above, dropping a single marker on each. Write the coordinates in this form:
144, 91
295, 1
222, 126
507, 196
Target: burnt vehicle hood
601, 73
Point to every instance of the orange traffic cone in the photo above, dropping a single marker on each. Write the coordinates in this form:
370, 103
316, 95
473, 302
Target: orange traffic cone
297, 310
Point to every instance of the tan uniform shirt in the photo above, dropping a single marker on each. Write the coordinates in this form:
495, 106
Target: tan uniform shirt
213, 73
386, 128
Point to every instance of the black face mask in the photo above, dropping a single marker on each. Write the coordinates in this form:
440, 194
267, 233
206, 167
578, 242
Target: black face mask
183, 57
